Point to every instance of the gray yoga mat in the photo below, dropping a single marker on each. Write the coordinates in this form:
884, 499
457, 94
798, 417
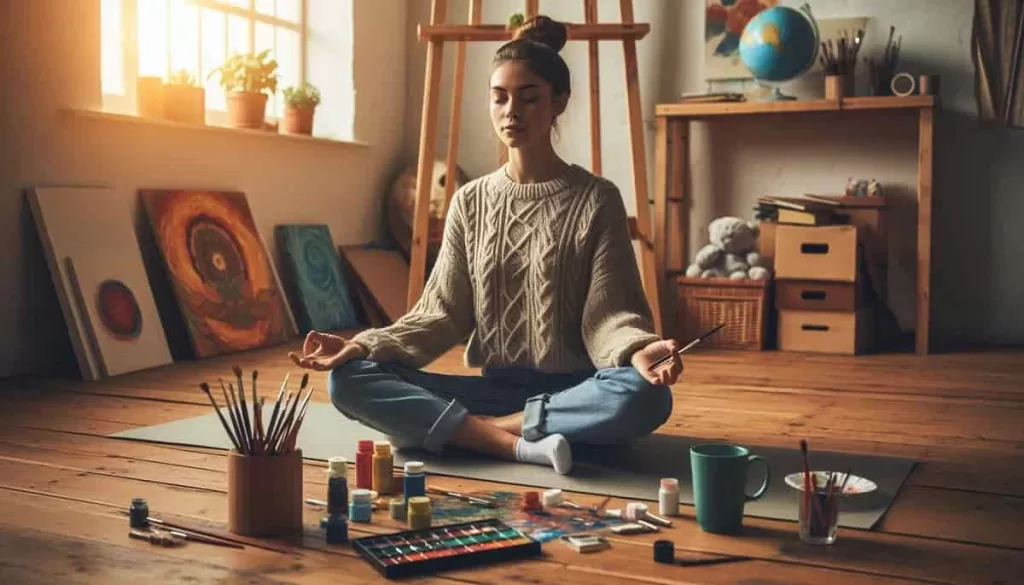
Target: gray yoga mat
631, 472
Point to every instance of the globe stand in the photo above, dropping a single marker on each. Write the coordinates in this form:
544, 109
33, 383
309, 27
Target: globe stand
776, 94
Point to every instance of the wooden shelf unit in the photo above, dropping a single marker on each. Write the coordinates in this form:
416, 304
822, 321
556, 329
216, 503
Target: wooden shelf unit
671, 151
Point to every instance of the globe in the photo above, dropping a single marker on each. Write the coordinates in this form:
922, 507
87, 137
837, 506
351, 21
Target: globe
779, 45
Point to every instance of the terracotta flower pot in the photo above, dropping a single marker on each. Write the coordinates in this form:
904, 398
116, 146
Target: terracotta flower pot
298, 120
185, 103
247, 109
149, 95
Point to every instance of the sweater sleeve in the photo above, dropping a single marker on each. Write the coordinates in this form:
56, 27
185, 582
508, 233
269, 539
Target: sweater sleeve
617, 319
442, 317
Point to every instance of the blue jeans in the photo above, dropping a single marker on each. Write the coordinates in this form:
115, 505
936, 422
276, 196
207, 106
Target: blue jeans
421, 409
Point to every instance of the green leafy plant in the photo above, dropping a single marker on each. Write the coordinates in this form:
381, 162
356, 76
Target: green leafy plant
515, 21
181, 77
252, 73
303, 96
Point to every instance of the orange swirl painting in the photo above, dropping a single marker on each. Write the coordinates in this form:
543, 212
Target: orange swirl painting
222, 276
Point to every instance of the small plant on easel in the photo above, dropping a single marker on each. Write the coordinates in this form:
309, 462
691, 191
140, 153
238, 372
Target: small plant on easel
300, 103
184, 99
249, 80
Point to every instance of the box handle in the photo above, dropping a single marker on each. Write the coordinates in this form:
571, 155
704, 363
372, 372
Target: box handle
807, 327
812, 295
809, 248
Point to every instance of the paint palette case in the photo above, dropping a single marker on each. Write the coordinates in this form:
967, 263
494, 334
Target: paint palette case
419, 552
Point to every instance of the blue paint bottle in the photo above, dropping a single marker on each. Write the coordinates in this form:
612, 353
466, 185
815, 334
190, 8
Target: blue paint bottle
360, 509
336, 528
415, 481
337, 485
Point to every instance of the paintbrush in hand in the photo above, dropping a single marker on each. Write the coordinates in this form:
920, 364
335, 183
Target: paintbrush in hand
206, 390
685, 348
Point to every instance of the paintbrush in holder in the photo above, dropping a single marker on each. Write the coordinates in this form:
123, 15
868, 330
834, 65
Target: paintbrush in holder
264, 465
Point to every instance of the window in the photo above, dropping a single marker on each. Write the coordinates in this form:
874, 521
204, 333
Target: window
161, 37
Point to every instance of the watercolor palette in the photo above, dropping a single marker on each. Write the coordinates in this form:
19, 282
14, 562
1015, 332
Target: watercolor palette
419, 552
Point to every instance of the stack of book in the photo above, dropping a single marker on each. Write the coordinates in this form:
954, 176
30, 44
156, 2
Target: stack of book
813, 209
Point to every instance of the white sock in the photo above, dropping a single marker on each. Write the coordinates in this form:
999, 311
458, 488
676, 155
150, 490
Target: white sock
552, 450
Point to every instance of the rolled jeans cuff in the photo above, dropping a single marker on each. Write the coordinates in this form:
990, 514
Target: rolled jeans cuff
444, 426
533, 418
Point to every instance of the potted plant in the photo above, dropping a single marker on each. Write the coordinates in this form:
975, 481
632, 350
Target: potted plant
249, 79
184, 100
300, 103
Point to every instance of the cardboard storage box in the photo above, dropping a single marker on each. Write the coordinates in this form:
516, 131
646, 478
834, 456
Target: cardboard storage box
818, 295
837, 332
816, 253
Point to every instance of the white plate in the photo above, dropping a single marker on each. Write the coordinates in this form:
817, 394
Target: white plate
856, 486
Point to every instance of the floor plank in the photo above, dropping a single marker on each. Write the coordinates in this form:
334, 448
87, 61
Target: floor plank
954, 522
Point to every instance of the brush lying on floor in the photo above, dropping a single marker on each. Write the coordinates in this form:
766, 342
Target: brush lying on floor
249, 435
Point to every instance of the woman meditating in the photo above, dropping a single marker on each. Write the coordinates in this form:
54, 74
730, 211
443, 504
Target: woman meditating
536, 269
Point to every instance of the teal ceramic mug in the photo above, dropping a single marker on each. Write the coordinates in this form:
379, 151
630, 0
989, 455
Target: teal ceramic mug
719, 485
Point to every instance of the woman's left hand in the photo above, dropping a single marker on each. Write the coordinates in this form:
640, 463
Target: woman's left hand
668, 372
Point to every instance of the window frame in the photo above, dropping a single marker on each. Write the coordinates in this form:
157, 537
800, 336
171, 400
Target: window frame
130, 60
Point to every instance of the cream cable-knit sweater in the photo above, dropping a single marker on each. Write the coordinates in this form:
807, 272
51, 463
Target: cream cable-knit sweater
537, 275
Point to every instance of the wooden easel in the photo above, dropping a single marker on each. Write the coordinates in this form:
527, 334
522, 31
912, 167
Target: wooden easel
438, 32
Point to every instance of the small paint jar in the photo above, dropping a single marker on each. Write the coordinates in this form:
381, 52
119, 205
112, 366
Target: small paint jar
552, 498
382, 464
361, 508
138, 513
415, 482
337, 485
419, 513
668, 497
336, 528
364, 464
531, 501
398, 508
635, 511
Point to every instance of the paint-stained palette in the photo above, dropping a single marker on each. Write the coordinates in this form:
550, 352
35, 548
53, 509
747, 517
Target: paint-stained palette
420, 552
540, 525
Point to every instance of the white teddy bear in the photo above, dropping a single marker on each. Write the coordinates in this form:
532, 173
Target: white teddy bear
732, 252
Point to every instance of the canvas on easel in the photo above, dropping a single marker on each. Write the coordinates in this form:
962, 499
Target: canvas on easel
93, 223
224, 282
312, 268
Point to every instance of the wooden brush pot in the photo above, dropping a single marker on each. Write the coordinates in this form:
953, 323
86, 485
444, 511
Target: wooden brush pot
265, 494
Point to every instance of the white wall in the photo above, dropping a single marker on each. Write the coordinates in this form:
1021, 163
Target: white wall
51, 61
977, 172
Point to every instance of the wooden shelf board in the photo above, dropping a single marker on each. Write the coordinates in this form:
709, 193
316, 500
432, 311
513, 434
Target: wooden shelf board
792, 107
497, 32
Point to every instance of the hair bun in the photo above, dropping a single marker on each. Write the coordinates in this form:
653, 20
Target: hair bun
543, 30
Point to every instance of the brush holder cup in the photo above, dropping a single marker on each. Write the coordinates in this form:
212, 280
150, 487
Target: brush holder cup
265, 494
840, 86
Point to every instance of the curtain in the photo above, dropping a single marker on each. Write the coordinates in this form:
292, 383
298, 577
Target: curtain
996, 50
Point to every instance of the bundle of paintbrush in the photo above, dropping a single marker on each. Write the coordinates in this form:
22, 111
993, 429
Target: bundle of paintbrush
819, 514
880, 74
840, 58
246, 430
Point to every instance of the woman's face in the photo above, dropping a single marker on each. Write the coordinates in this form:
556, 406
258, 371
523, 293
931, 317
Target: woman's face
522, 107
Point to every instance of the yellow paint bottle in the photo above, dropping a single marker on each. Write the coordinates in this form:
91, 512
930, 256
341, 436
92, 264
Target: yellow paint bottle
419, 513
382, 464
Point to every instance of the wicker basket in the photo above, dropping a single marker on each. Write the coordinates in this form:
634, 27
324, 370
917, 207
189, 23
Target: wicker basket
741, 304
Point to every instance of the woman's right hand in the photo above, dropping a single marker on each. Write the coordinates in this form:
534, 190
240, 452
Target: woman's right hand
324, 351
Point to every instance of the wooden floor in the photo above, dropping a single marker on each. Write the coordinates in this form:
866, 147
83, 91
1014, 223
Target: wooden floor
959, 519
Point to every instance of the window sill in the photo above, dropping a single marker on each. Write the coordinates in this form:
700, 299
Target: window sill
130, 118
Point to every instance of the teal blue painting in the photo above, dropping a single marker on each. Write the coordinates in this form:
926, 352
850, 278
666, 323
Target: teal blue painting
320, 292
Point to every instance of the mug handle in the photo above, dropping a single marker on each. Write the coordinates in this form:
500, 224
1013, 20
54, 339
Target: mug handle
767, 478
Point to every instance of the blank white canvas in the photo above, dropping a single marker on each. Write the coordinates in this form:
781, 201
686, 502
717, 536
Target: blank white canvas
77, 221
115, 355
